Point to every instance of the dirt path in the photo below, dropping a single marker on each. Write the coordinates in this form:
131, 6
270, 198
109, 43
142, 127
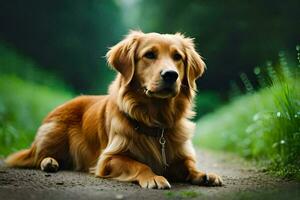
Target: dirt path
242, 181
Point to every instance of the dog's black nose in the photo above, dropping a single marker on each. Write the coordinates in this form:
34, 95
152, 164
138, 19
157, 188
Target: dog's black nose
169, 76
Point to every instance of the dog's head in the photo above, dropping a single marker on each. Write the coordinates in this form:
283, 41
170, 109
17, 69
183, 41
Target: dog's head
159, 63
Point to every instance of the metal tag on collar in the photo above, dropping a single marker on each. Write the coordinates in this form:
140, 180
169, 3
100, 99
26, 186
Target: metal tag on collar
162, 142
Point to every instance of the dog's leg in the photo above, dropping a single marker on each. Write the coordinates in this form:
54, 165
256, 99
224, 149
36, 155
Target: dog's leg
200, 178
185, 169
123, 168
190, 173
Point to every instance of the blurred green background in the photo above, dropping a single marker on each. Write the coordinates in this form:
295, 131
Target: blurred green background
51, 51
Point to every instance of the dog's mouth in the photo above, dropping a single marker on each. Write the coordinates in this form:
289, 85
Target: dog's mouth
162, 92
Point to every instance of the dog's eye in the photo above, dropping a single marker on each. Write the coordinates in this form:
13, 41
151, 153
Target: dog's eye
150, 55
177, 57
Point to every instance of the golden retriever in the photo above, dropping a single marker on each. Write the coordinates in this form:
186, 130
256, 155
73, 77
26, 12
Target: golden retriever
140, 131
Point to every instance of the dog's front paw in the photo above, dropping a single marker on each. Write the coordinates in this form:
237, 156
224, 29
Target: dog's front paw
214, 180
154, 182
209, 179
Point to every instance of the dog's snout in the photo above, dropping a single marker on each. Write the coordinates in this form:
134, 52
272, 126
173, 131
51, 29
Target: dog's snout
169, 76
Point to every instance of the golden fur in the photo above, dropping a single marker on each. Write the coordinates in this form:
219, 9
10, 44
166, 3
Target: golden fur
93, 133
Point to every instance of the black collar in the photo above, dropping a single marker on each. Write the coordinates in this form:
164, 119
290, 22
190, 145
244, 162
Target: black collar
140, 127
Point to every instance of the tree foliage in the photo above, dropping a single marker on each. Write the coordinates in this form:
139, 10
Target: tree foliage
67, 37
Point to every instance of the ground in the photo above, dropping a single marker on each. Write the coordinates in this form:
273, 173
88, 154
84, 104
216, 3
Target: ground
242, 180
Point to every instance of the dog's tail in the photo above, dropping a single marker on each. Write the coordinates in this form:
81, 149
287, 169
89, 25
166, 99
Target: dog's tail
23, 159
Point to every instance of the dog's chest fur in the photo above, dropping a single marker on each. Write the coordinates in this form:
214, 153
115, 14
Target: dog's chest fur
148, 150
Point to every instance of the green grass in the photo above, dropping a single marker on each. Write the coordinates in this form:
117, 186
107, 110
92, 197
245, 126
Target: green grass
263, 125
23, 105
27, 94
189, 194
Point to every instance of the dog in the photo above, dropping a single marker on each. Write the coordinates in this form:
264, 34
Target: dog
141, 131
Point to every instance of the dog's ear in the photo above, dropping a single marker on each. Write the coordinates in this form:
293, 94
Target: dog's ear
122, 56
195, 66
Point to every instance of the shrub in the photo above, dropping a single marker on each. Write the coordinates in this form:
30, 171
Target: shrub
263, 125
